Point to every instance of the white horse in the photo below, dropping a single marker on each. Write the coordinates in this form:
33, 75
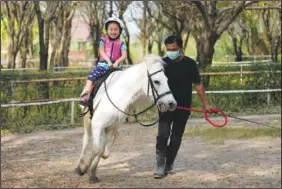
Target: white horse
128, 88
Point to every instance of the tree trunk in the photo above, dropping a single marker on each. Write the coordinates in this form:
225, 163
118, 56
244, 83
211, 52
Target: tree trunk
128, 51
111, 9
205, 52
56, 42
67, 44
160, 51
10, 58
30, 44
144, 28
97, 40
237, 49
127, 42
122, 6
44, 27
274, 56
150, 45
42, 53
23, 52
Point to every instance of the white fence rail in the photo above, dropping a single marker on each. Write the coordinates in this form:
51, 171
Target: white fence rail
73, 100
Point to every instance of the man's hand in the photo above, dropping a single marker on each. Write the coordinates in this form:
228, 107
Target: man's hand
210, 109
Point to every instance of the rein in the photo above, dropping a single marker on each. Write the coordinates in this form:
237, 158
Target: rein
215, 110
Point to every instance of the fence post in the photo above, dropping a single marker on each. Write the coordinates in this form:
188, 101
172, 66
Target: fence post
241, 75
268, 94
12, 98
72, 112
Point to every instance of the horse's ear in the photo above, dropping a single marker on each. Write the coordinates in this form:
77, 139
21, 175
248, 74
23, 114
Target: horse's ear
151, 59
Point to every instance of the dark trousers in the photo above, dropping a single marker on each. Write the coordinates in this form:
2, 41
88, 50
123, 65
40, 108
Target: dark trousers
171, 125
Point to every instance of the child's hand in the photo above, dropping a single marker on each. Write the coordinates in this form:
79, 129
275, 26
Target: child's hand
115, 65
110, 64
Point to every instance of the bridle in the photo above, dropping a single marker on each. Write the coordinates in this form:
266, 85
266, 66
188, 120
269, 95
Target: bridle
154, 91
155, 94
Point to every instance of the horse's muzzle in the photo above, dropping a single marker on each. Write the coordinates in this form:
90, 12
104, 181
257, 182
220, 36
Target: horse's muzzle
170, 106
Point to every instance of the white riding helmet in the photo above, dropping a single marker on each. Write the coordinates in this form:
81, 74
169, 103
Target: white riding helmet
113, 19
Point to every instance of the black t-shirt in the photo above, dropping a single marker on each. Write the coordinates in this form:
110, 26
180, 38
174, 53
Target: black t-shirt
181, 75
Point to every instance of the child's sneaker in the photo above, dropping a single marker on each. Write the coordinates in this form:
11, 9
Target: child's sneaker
84, 99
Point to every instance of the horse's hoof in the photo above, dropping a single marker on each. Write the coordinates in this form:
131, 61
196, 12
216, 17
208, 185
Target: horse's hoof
93, 180
78, 171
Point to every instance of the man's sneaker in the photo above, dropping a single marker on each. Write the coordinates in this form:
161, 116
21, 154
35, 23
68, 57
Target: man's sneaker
84, 99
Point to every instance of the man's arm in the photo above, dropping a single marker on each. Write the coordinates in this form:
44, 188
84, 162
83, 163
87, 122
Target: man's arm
201, 92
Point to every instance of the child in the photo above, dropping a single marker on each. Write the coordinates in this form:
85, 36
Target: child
112, 52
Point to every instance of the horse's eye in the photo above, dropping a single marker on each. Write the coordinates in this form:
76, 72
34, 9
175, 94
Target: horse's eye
156, 82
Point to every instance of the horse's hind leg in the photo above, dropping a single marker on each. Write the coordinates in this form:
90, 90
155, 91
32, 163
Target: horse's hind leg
112, 131
99, 145
82, 165
106, 152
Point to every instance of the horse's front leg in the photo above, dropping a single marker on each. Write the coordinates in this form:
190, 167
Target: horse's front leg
82, 164
93, 170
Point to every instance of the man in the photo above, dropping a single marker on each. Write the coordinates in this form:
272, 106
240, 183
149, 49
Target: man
181, 72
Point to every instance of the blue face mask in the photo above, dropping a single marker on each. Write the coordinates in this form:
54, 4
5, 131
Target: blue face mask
172, 54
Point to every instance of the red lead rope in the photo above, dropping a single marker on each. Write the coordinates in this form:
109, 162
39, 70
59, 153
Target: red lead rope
214, 110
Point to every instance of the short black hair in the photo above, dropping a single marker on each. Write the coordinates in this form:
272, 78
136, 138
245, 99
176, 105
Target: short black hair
174, 39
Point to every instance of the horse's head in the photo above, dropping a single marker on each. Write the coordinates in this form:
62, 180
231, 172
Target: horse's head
157, 83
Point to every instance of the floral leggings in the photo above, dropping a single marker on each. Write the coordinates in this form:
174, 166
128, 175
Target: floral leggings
96, 73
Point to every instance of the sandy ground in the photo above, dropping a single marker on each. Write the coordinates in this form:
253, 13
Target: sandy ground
48, 159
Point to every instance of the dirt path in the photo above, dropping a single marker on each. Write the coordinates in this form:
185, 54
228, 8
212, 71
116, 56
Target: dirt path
48, 159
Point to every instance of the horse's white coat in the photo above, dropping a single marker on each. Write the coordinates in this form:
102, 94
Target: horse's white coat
126, 89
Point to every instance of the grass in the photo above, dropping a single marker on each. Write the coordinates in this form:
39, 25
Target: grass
5, 132
218, 135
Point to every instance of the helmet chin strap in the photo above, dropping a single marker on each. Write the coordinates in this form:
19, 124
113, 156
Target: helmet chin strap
112, 39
